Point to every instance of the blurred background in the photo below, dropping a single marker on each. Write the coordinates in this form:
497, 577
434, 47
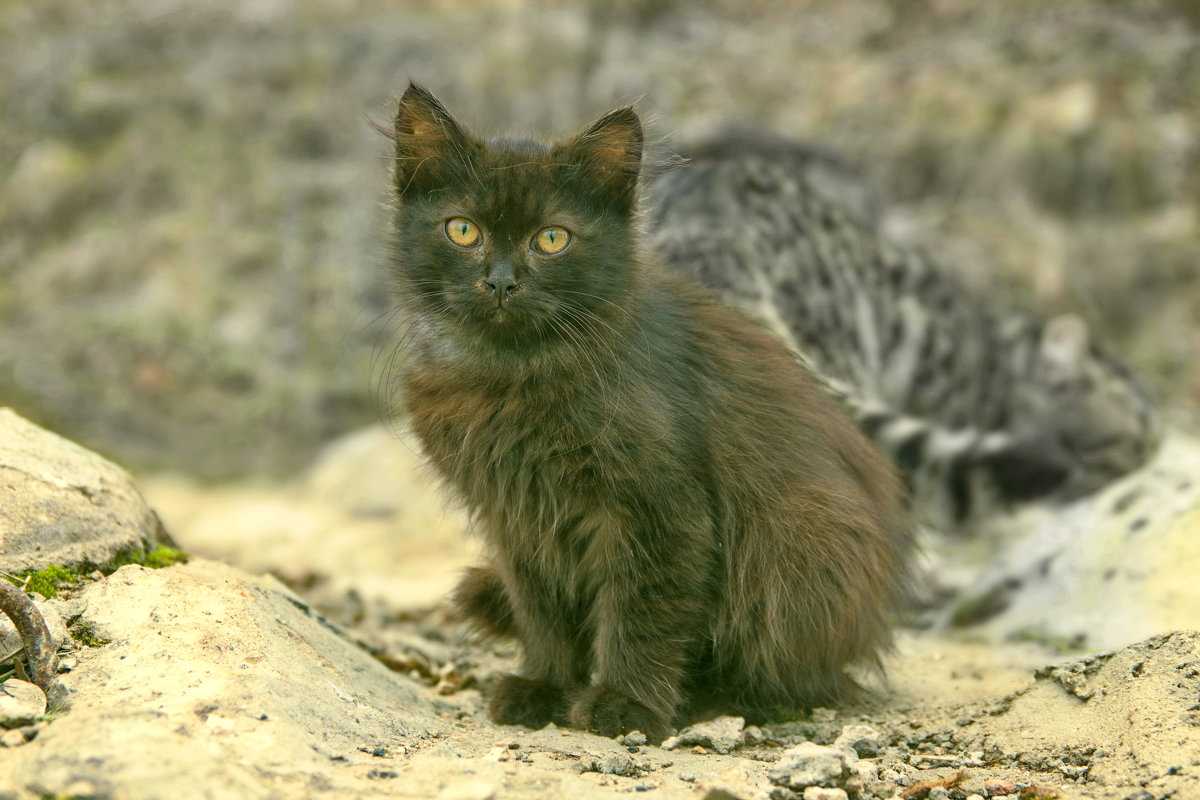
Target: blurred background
192, 202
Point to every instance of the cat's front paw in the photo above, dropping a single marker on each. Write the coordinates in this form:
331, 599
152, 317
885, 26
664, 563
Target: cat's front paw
609, 712
524, 701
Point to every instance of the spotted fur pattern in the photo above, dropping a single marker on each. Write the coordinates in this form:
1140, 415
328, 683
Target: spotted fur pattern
976, 402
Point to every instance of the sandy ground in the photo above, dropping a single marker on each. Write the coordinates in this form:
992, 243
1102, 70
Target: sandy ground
368, 538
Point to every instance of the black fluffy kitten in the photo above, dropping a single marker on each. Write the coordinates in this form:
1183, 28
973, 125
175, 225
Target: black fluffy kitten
678, 519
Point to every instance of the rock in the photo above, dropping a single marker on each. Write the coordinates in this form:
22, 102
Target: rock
999, 787
633, 739
233, 683
21, 703
809, 764
614, 764
742, 781
862, 774
939, 793
721, 734
13, 738
1104, 572
754, 735
58, 696
61, 504
822, 793
862, 740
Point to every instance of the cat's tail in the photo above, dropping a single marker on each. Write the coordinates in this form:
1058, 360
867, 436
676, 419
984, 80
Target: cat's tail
481, 599
956, 475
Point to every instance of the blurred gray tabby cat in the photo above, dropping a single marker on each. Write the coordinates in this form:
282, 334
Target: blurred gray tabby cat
979, 404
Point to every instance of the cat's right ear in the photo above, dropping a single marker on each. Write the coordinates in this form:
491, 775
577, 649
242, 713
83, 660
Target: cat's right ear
610, 151
427, 139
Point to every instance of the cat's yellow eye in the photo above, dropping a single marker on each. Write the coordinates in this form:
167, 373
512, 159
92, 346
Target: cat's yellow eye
462, 232
552, 241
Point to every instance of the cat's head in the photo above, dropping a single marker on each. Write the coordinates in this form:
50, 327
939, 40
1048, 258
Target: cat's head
513, 241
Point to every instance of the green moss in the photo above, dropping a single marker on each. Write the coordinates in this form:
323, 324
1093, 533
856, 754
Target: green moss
48, 581
165, 556
157, 558
85, 634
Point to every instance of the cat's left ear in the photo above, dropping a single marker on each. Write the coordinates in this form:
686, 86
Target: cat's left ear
610, 151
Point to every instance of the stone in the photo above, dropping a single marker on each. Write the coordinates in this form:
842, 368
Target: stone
61, 504
615, 764
863, 740
13, 738
809, 764
1104, 571
633, 739
21, 703
753, 735
861, 774
238, 684
823, 793
722, 734
999, 787
742, 781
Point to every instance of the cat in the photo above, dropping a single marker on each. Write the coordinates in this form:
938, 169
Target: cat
677, 517
982, 406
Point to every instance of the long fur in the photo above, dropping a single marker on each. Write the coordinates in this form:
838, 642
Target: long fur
676, 514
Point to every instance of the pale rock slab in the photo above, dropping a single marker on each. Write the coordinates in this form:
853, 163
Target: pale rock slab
62, 504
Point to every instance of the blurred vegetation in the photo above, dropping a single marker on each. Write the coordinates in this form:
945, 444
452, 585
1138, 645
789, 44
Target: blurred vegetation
192, 232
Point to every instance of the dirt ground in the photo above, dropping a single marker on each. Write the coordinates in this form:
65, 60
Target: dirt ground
367, 537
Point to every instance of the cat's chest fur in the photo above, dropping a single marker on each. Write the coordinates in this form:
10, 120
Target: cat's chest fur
539, 458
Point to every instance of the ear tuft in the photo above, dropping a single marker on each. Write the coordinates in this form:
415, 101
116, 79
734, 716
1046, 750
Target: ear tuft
425, 135
610, 151
616, 137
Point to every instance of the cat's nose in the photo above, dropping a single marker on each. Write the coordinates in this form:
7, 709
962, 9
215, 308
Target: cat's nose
502, 281
502, 286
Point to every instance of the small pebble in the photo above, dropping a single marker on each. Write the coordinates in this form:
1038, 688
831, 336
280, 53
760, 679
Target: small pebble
997, 787
633, 739
12, 738
939, 793
721, 734
863, 740
385, 774
822, 793
21, 702
754, 735
808, 764
615, 764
